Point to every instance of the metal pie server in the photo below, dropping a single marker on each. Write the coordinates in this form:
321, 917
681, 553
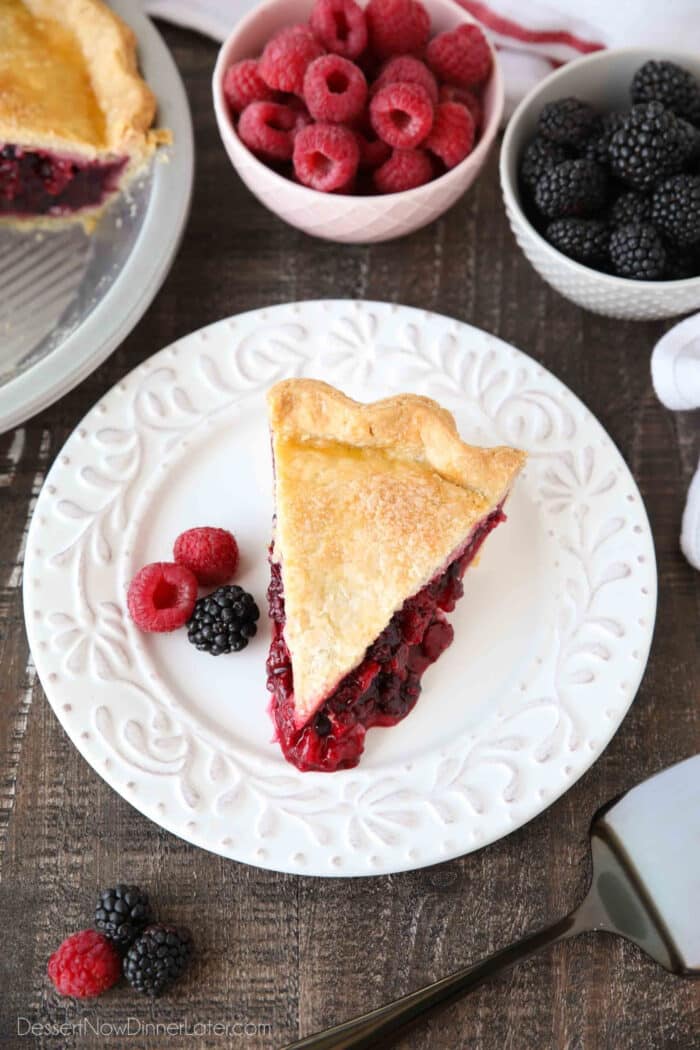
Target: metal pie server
645, 887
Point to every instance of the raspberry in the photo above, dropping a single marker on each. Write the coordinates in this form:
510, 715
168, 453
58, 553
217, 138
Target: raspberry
286, 58
85, 965
341, 27
243, 85
405, 69
404, 170
452, 135
326, 157
335, 89
161, 596
402, 114
373, 151
461, 56
397, 27
268, 128
211, 554
465, 97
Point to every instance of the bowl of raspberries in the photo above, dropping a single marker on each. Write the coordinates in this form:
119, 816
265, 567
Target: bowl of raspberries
600, 172
357, 121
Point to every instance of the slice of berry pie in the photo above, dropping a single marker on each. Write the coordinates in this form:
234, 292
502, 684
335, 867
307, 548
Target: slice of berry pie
380, 510
75, 115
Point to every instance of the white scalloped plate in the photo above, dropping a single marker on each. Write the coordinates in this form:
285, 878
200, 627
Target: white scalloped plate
551, 638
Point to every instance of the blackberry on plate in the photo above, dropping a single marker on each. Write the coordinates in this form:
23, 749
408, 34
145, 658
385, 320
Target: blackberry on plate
675, 209
223, 621
665, 82
572, 188
568, 121
585, 240
651, 144
122, 912
630, 207
539, 156
637, 251
157, 958
597, 147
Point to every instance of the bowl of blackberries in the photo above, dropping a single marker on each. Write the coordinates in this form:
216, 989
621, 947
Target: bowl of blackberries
600, 172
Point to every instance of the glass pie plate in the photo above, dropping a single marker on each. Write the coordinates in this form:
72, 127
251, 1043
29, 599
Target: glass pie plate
67, 299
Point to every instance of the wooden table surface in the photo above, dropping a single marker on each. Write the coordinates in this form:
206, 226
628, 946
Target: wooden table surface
286, 955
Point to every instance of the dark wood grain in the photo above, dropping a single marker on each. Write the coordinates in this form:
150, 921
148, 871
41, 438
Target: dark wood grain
296, 954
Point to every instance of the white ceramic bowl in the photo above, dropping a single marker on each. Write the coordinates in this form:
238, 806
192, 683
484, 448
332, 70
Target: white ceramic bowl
334, 216
602, 79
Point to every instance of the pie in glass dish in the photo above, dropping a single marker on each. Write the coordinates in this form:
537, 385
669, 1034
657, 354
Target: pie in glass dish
75, 115
380, 509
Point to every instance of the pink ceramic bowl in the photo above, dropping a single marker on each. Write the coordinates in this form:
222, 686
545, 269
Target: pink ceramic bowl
339, 217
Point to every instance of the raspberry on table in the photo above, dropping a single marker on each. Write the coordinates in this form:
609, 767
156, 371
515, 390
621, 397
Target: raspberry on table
210, 553
406, 69
335, 89
287, 56
341, 26
121, 913
452, 135
465, 97
157, 958
373, 151
397, 27
460, 56
161, 596
268, 128
402, 115
326, 156
574, 188
243, 85
404, 170
84, 965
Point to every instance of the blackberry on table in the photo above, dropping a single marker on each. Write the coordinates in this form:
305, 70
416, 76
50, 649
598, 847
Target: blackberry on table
573, 188
651, 144
665, 82
637, 251
223, 621
675, 209
157, 958
630, 207
568, 121
585, 240
539, 156
122, 912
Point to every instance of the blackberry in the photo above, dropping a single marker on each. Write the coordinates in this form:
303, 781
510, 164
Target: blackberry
585, 240
667, 83
630, 207
122, 913
651, 144
675, 209
157, 958
568, 121
682, 262
539, 156
637, 251
224, 621
597, 147
572, 188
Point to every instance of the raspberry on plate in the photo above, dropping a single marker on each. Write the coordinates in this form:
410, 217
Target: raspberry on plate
402, 114
211, 554
326, 157
461, 56
161, 596
268, 128
404, 170
286, 57
243, 85
397, 27
335, 89
341, 27
465, 97
452, 135
85, 965
406, 69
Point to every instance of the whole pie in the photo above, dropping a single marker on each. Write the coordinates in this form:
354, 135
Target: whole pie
75, 115
380, 510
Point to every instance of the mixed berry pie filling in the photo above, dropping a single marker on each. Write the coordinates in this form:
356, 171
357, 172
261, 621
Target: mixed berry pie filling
37, 182
384, 688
